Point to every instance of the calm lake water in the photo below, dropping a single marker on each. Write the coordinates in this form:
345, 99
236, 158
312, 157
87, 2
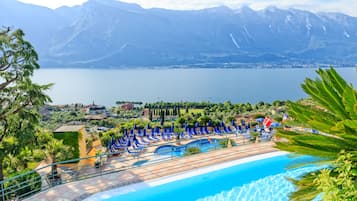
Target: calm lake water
148, 85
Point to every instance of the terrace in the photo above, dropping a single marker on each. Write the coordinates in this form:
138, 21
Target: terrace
124, 173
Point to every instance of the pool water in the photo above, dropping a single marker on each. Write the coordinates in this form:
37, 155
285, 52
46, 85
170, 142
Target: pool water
258, 180
172, 150
139, 163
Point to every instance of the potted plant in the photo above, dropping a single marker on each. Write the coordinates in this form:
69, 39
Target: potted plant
178, 131
98, 160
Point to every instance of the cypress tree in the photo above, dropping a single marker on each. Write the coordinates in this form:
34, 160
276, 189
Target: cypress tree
150, 115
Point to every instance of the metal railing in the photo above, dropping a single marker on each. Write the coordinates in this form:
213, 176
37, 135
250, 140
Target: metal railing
46, 177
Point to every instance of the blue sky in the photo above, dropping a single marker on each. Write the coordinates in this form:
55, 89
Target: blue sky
344, 6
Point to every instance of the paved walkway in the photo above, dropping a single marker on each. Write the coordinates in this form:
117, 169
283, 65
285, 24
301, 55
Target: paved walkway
82, 189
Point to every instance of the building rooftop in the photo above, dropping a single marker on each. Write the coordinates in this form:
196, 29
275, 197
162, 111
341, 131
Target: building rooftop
69, 128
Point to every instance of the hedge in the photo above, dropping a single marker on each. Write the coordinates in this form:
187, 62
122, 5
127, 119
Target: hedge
70, 139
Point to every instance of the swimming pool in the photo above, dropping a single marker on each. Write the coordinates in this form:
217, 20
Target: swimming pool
262, 179
172, 150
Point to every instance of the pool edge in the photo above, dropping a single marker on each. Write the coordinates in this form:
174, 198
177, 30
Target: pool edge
179, 176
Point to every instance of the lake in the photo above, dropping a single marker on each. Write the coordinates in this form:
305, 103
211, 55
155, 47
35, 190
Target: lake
148, 85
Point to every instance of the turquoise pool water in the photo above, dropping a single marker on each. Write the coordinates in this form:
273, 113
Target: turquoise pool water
172, 150
253, 181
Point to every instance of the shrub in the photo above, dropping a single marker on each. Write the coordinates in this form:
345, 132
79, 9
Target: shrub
192, 150
254, 136
278, 119
252, 124
106, 137
70, 139
224, 142
22, 186
256, 116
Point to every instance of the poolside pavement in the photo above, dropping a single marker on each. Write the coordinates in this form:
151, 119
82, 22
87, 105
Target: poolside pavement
79, 190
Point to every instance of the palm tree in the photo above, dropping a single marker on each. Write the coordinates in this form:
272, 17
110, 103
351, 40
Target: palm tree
54, 150
333, 112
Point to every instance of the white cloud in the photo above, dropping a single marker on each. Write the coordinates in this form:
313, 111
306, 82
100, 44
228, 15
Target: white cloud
344, 6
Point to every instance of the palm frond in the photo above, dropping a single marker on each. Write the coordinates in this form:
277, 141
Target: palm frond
332, 111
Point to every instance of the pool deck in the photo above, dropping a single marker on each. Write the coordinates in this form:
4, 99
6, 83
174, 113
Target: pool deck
80, 190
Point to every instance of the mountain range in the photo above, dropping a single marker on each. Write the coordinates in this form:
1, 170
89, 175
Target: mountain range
113, 34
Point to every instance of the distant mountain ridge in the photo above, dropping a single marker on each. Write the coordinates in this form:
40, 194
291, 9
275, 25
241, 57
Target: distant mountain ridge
109, 33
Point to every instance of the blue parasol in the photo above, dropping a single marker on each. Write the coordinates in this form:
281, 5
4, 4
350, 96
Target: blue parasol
275, 124
260, 120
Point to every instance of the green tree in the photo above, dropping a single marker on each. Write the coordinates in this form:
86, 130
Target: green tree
332, 111
106, 137
20, 98
150, 115
54, 149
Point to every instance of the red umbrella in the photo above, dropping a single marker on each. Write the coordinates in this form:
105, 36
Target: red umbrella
267, 121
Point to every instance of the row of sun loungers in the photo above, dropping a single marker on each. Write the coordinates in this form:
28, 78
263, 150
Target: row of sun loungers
135, 142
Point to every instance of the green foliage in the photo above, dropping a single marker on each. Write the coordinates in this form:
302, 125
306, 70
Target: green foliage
203, 120
224, 142
15, 163
331, 110
278, 103
20, 98
254, 136
254, 123
278, 119
130, 124
192, 150
106, 137
256, 116
132, 102
22, 186
70, 139
159, 105
52, 148
181, 120
339, 184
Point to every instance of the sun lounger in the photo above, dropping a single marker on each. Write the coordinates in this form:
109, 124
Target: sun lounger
154, 137
217, 131
140, 142
189, 133
138, 147
168, 136
134, 153
202, 132
149, 137
182, 135
164, 137
194, 131
139, 132
115, 146
225, 129
206, 130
